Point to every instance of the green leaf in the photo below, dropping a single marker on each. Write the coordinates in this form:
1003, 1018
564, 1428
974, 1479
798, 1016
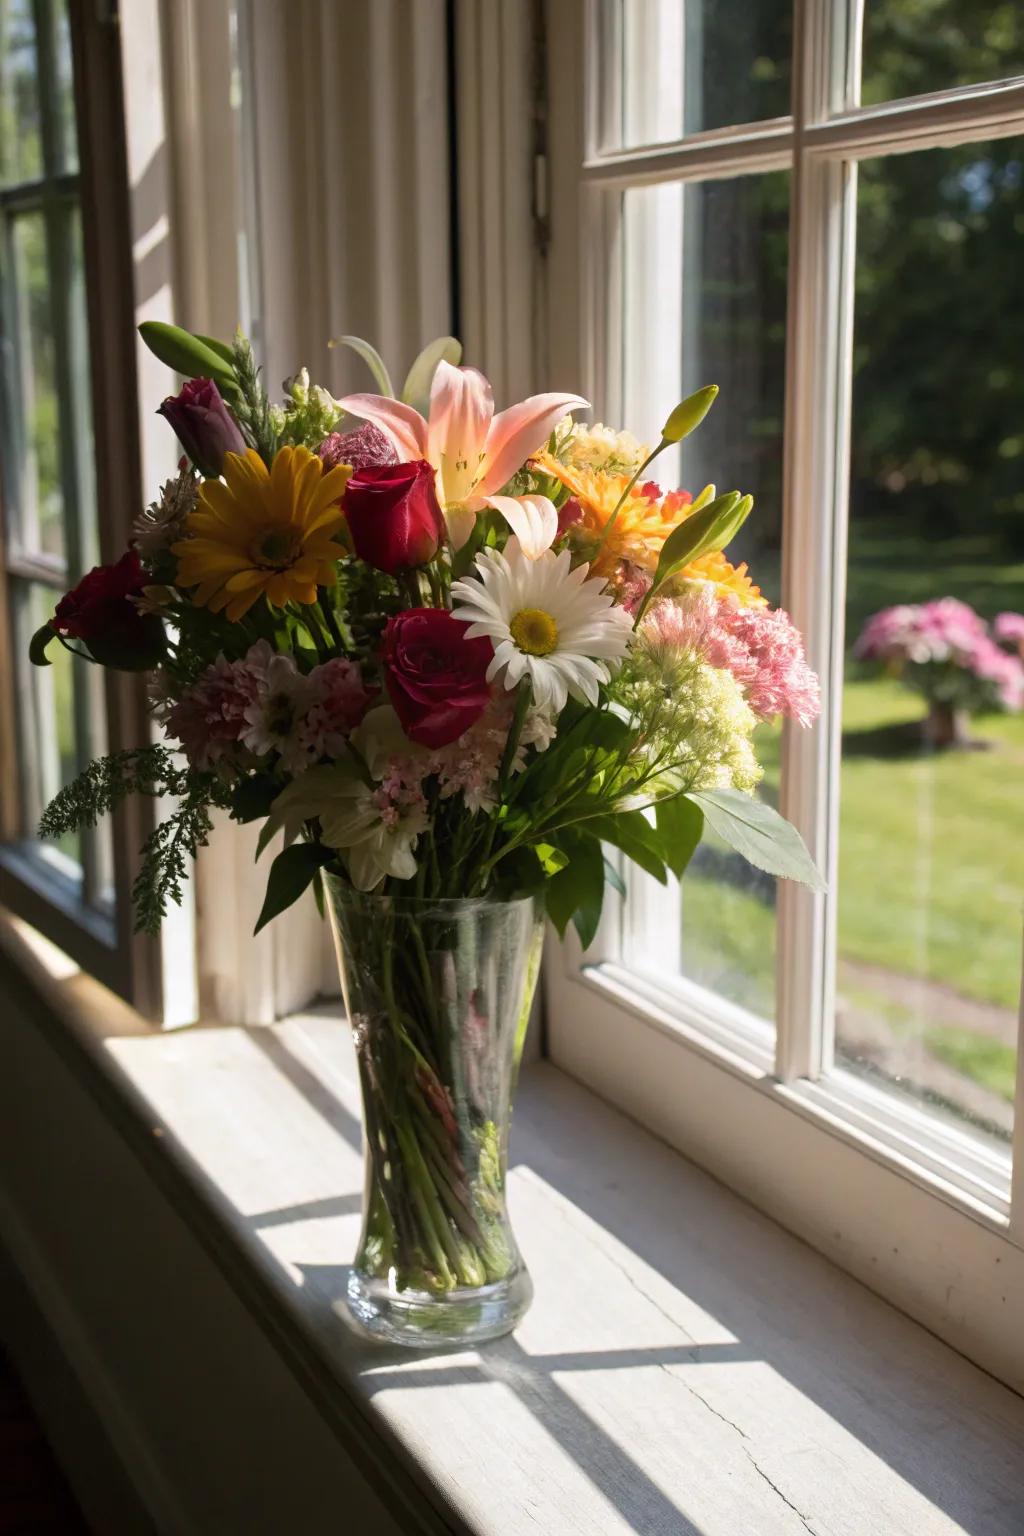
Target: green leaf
186, 354
680, 828
253, 797
577, 891
759, 833
613, 877
43, 637
290, 873
371, 357
633, 833
416, 390
689, 414
552, 859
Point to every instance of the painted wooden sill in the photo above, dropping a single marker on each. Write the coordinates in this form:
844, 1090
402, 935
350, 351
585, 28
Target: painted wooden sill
687, 1368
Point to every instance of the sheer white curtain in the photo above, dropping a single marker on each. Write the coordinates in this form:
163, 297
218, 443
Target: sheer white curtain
290, 170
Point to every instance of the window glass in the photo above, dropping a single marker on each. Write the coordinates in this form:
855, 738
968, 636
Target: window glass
704, 301
674, 67
914, 46
32, 456
932, 816
66, 137
48, 757
21, 152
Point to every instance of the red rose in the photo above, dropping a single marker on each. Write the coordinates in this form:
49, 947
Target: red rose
393, 515
436, 678
100, 612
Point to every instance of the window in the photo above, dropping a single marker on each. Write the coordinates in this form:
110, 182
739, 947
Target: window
831, 232
55, 524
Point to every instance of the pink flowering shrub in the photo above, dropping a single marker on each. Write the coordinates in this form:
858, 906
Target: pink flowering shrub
944, 650
1008, 629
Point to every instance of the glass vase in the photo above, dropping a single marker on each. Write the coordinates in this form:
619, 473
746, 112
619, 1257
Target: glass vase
438, 994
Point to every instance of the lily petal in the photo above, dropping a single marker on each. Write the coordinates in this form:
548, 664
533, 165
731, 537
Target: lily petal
520, 431
461, 408
533, 520
406, 427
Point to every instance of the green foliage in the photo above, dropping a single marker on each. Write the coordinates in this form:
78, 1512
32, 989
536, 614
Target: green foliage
680, 826
103, 784
252, 407
759, 833
371, 357
576, 893
291, 873
631, 832
153, 771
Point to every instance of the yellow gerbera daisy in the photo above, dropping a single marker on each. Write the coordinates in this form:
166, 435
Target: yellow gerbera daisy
643, 523
264, 531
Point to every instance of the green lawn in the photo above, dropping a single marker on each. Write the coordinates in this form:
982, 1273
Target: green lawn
931, 869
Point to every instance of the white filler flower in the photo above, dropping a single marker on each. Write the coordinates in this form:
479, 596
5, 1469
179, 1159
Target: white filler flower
546, 620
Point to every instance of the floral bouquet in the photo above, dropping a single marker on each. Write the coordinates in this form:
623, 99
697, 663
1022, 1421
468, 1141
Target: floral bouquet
946, 652
457, 662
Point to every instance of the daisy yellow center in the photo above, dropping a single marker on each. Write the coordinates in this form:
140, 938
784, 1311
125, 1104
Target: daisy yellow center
534, 631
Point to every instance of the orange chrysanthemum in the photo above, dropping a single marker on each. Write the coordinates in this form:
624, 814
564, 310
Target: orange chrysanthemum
264, 531
644, 520
728, 580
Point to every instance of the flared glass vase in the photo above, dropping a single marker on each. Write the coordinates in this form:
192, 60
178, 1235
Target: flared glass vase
438, 995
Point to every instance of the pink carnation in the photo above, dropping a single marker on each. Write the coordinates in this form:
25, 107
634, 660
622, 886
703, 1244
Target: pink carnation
761, 647
782, 682
341, 701
209, 719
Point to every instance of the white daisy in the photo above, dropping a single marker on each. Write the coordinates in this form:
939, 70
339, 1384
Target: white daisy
545, 620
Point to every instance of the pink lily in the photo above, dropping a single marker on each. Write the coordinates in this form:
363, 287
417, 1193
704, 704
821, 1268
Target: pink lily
473, 451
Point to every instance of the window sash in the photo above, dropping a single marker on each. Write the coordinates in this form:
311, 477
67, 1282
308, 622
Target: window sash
821, 143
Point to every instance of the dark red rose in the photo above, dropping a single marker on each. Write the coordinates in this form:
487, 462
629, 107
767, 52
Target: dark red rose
569, 513
205, 427
435, 677
393, 515
100, 612
365, 448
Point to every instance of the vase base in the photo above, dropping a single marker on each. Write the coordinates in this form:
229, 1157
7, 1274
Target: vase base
423, 1320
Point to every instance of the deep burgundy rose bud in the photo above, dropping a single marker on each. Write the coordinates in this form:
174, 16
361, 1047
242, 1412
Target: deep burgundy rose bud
100, 612
436, 678
365, 448
205, 427
393, 515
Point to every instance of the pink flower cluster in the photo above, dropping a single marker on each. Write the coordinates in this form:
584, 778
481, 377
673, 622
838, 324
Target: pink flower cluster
263, 703
468, 766
945, 631
761, 647
1008, 629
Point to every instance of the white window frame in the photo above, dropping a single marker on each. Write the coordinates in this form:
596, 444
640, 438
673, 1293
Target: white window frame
921, 1210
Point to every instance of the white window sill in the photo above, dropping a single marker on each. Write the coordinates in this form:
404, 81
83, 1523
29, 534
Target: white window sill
687, 1367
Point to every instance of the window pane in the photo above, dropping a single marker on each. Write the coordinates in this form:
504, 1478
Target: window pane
67, 138
21, 153
32, 448
674, 67
914, 46
931, 880
704, 301
46, 738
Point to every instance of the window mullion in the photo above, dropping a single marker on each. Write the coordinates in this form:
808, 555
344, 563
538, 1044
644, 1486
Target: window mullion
1017, 1166
814, 523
